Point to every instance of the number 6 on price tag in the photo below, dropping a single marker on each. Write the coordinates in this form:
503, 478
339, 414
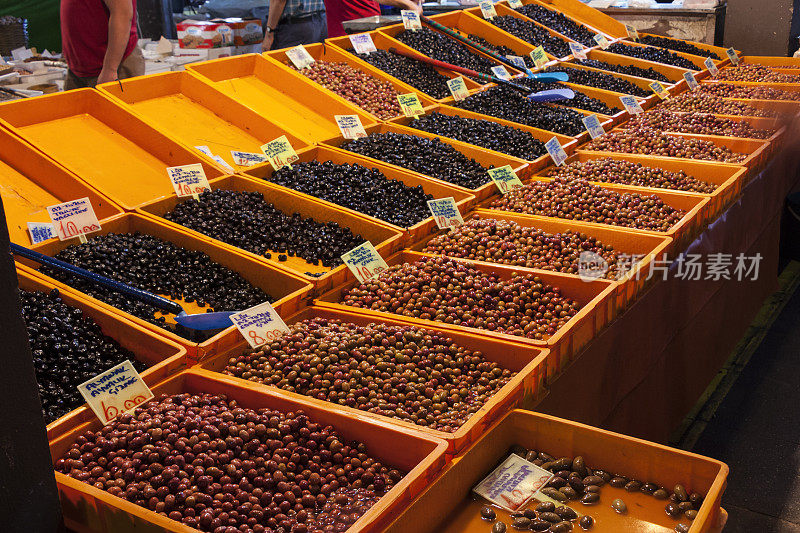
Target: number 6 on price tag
364, 262
259, 324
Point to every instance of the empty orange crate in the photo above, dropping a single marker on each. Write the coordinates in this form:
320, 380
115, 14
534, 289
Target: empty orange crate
597, 299
288, 99
330, 54
197, 114
291, 292
672, 73
528, 362
648, 246
487, 158
438, 507
88, 508
106, 145
30, 181
436, 188
385, 239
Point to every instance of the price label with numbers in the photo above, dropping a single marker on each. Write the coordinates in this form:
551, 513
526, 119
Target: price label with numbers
445, 212
73, 219
41, 231
505, 178
501, 72
247, 159
515, 4
539, 57
659, 90
593, 126
458, 88
362, 43
188, 180
691, 81
512, 484
115, 392
732, 56
556, 151
410, 105
411, 19
204, 150
259, 325
631, 104
632, 32
299, 56
487, 9
350, 126
711, 66
518, 62
578, 50
602, 41
224, 164
280, 153
364, 262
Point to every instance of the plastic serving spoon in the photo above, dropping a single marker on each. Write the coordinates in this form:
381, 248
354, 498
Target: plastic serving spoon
552, 95
200, 321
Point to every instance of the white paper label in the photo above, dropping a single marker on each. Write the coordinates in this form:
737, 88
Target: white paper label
40, 231
691, 81
732, 56
556, 151
487, 9
631, 104
188, 180
445, 212
505, 178
224, 164
362, 43
280, 153
364, 262
259, 325
593, 126
73, 219
518, 61
513, 483
711, 66
578, 50
247, 159
602, 41
350, 126
204, 149
411, 19
21, 53
514, 4
501, 72
299, 56
115, 392
458, 88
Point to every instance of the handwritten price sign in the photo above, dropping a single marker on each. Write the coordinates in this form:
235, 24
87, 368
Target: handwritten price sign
539, 57
487, 9
518, 61
188, 180
445, 212
513, 483
602, 41
115, 392
280, 153
501, 72
247, 159
631, 104
593, 126
659, 90
578, 50
556, 151
514, 4
691, 81
350, 126
731, 53
410, 105
505, 178
73, 219
411, 20
711, 66
364, 262
458, 88
362, 43
299, 56
259, 324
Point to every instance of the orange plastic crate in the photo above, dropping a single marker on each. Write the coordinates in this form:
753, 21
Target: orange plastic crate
588, 16
528, 362
790, 87
597, 298
612, 452
697, 60
779, 63
112, 149
288, 99
87, 508
466, 24
197, 114
463, 200
672, 73
719, 50
642, 83
385, 239
291, 291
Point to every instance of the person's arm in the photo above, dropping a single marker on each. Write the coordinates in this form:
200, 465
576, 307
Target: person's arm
119, 33
276, 8
411, 5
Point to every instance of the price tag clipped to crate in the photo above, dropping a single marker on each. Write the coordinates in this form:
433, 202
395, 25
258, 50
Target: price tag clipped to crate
410, 105
224, 164
515, 4
731, 53
188, 180
280, 153
40, 231
487, 9
458, 88
602, 41
539, 57
578, 50
505, 178
362, 43
518, 62
204, 150
411, 20
364, 262
711, 66
691, 81
445, 212
501, 72
556, 151
593, 126
299, 56
247, 159
512, 484
350, 126
659, 90
115, 392
631, 104
259, 325
632, 32
74, 219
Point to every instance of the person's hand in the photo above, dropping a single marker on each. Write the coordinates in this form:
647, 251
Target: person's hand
415, 6
106, 75
266, 44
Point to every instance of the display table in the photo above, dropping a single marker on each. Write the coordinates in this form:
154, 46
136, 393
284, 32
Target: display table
705, 25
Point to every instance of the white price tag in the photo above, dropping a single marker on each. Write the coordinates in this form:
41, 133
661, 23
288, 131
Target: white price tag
501, 72
259, 325
691, 81
505, 178
445, 212
732, 56
514, 4
74, 219
487, 9
224, 164
247, 159
115, 392
578, 50
513, 483
518, 61
350, 126
362, 43
411, 19
711, 66
40, 231
299, 56
631, 104
21, 53
280, 153
593, 126
205, 150
556, 151
364, 262
188, 180
602, 41
458, 88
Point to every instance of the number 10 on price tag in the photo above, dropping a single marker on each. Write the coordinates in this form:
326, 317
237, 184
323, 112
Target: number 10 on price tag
188, 180
74, 219
259, 324
364, 262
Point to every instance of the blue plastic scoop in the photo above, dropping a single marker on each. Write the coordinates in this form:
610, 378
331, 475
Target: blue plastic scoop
548, 77
552, 95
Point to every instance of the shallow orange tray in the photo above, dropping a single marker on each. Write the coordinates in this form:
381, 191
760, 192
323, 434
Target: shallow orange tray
697, 60
197, 114
597, 299
790, 87
719, 50
321, 52
30, 181
672, 73
106, 145
466, 24
385, 239
642, 83
779, 63
613, 452
288, 99
592, 28
528, 362
88, 508
648, 246
291, 291
436, 188
162, 356
486, 158
588, 16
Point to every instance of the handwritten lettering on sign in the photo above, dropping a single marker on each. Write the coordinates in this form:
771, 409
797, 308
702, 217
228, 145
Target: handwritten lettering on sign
731, 53
411, 20
188, 180
115, 392
514, 4
602, 41
556, 151
711, 66
247, 159
539, 57
518, 62
280, 153
445, 212
659, 90
632, 33
593, 126
364, 262
362, 43
260, 324
410, 105
299, 56
487, 9
350, 126
40, 231
500, 72
631, 104
513, 483
578, 50
691, 81
458, 88
505, 178
73, 219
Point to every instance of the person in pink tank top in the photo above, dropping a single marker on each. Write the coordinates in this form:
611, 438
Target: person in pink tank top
98, 40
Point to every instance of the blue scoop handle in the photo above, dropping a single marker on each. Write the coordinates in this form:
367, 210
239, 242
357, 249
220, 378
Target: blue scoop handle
552, 95
549, 77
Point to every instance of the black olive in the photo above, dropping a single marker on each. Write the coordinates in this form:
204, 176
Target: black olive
651, 53
558, 22
630, 70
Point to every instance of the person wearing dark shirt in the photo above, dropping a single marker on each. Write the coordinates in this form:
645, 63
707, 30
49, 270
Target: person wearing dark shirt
293, 22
